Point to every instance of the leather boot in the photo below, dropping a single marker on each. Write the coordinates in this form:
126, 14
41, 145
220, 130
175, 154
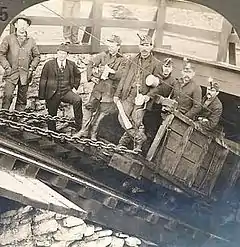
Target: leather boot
125, 140
93, 134
81, 133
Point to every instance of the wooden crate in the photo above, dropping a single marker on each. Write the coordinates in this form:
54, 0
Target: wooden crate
189, 155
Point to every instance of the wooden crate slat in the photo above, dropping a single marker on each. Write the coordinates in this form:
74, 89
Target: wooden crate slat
187, 31
223, 41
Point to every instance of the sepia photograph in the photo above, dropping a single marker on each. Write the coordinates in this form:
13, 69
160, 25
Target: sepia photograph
119, 123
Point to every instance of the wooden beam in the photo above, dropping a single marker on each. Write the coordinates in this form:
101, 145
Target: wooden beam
96, 31
84, 49
57, 21
138, 2
233, 38
51, 49
7, 162
232, 52
32, 192
161, 131
185, 5
152, 30
196, 33
161, 16
88, 30
128, 23
223, 43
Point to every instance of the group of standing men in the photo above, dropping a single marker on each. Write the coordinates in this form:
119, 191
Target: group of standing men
127, 85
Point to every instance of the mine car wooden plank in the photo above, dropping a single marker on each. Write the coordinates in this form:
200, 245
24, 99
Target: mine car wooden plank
189, 156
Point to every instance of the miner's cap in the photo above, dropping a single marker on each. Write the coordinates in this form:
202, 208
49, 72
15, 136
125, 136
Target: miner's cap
115, 38
167, 62
145, 39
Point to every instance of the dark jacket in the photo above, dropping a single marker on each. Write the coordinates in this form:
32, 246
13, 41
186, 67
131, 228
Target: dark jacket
150, 65
105, 89
212, 111
189, 97
165, 88
116, 63
19, 57
48, 84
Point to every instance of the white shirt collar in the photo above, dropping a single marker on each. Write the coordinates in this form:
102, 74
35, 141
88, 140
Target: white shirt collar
61, 62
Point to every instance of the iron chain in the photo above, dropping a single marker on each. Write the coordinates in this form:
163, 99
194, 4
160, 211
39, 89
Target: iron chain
5, 112
107, 147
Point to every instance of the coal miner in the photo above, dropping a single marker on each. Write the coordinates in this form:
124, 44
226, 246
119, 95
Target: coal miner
105, 71
166, 84
209, 116
187, 93
19, 56
59, 78
133, 94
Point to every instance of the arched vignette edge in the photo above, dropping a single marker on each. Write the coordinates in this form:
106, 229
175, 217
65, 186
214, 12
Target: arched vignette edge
229, 9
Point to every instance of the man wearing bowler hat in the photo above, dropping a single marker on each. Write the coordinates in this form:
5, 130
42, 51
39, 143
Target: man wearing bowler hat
208, 117
19, 56
134, 93
59, 77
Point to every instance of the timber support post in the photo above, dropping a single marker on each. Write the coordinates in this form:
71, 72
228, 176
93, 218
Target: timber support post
223, 42
97, 9
161, 16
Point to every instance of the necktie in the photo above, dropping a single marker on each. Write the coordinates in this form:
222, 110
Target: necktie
62, 66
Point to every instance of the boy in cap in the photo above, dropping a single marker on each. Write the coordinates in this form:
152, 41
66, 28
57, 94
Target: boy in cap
105, 71
19, 56
187, 93
167, 82
211, 111
59, 76
134, 94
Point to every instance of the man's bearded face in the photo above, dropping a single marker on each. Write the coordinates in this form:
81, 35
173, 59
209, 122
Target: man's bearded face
145, 50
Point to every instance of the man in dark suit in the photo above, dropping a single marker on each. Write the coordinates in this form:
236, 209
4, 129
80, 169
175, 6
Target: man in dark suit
19, 56
208, 117
59, 77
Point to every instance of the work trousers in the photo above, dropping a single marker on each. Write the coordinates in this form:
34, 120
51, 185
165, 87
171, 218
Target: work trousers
10, 85
135, 115
71, 98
